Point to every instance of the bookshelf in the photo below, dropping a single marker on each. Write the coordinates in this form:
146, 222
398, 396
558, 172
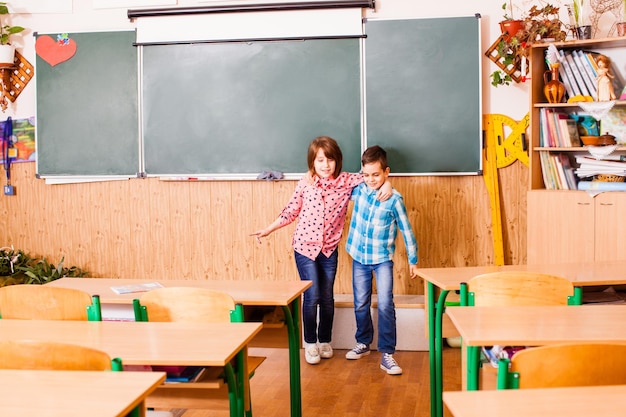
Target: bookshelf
570, 225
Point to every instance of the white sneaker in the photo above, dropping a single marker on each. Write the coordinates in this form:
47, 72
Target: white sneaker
312, 353
326, 351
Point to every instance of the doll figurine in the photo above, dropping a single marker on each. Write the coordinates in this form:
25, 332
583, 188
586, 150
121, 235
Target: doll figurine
604, 79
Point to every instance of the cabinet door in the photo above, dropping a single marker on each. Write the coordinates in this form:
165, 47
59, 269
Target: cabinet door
560, 227
610, 209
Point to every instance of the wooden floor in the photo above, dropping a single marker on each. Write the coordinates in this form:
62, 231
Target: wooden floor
338, 387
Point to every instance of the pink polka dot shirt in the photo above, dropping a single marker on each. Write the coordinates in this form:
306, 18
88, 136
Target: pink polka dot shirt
321, 212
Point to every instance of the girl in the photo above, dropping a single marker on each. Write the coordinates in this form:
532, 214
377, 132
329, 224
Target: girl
320, 203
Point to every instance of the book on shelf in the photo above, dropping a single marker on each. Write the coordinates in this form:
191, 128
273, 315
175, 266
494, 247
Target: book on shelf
577, 75
601, 186
131, 288
566, 80
569, 79
591, 63
546, 170
569, 74
572, 132
560, 172
587, 80
568, 170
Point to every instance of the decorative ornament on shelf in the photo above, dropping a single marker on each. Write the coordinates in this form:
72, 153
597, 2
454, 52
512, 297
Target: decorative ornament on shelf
510, 53
553, 89
7, 54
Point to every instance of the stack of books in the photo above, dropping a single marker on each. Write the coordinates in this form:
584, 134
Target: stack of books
557, 129
589, 167
557, 171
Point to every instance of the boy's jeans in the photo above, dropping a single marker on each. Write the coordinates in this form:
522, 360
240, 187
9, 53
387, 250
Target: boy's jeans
362, 287
322, 272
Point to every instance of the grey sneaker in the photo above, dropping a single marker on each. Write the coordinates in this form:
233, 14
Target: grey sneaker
358, 351
326, 351
389, 364
312, 354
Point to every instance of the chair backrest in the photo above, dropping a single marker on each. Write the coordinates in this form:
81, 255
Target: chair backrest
42, 302
564, 365
29, 354
519, 288
188, 304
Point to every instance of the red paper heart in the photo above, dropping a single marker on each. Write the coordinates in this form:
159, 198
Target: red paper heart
53, 52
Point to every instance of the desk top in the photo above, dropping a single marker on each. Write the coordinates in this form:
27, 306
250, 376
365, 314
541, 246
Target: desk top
581, 274
534, 326
602, 401
143, 343
246, 292
74, 393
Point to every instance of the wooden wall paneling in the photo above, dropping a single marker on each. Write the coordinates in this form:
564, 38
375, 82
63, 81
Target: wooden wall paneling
243, 244
140, 253
282, 250
130, 228
200, 237
120, 219
99, 215
222, 229
426, 199
513, 185
179, 245
159, 229
263, 211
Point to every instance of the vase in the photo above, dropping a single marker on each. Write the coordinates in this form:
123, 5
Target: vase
583, 32
621, 28
553, 89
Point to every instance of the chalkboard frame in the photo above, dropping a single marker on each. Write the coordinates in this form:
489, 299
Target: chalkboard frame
77, 135
449, 119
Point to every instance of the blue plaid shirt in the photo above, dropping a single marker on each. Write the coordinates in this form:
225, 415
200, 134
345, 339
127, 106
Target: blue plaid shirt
374, 226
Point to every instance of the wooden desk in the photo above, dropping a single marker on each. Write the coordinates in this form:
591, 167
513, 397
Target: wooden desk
450, 279
75, 393
602, 401
284, 294
145, 343
537, 326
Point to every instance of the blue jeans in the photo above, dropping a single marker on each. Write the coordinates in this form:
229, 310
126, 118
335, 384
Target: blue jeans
322, 272
362, 288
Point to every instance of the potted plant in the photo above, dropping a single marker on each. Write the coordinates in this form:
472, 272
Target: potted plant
582, 31
539, 23
18, 267
510, 26
7, 51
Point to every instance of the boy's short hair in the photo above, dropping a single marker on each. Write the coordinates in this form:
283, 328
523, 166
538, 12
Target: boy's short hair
331, 150
375, 154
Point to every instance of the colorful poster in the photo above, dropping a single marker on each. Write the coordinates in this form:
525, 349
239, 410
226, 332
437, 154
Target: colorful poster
23, 140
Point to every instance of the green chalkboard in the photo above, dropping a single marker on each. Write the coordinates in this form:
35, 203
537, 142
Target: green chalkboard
87, 108
246, 107
423, 102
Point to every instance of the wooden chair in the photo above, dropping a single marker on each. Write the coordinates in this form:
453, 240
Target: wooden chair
513, 288
41, 302
195, 305
30, 354
564, 365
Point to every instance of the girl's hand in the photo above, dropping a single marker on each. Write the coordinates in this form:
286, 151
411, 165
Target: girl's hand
259, 234
413, 271
385, 192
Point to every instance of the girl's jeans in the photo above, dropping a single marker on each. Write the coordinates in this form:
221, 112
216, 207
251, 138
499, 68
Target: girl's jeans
322, 272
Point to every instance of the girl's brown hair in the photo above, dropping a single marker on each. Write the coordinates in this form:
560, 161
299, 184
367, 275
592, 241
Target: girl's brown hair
331, 150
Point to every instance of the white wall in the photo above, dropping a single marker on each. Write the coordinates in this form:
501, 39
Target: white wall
511, 101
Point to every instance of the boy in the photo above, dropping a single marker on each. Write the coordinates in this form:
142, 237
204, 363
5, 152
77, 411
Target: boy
371, 244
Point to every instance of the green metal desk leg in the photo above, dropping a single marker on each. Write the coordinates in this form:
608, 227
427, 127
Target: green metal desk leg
233, 397
473, 364
440, 309
432, 355
292, 319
